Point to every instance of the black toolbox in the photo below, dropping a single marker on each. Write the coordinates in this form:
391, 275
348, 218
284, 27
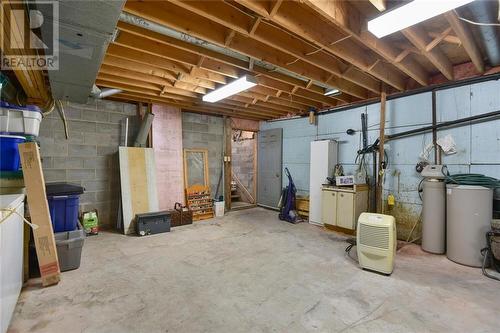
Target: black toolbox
153, 223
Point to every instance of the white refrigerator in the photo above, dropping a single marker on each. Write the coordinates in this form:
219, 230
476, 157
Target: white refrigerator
323, 161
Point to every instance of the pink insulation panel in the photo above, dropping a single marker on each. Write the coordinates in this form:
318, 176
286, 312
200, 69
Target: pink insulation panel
245, 124
167, 143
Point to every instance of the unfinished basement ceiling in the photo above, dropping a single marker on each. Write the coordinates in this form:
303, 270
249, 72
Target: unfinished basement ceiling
174, 52
85, 30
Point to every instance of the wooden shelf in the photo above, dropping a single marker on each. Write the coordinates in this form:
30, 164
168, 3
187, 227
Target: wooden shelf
200, 202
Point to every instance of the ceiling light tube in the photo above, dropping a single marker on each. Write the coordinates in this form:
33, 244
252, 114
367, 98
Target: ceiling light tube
411, 14
332, 92
241, 84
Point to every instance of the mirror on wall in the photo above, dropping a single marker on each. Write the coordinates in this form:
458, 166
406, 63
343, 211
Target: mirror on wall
195, 167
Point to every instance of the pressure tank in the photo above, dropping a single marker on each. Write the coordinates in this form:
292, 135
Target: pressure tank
469, 211
434, 216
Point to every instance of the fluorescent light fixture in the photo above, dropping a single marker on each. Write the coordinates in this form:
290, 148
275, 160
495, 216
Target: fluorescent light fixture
243, 83
332, 92
411, 14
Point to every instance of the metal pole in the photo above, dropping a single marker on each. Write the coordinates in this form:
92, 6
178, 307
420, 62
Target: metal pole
493, 115
434, 130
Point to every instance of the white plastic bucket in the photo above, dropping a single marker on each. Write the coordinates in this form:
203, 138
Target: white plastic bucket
219, 208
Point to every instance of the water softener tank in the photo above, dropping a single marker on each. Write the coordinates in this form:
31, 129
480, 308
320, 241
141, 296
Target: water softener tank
469, 211
434, 216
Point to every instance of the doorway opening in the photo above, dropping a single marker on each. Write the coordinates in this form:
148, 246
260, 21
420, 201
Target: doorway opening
244, 169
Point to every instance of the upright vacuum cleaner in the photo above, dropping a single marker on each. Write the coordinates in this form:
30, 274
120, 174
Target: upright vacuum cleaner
287, 201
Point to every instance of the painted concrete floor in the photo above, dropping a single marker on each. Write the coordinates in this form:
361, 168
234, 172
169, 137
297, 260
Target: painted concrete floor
250, 272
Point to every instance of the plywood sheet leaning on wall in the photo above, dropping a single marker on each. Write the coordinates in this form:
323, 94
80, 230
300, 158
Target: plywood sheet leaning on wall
138, 184
39, 211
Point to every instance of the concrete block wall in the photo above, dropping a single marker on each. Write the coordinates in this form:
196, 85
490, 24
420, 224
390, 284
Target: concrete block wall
242, 162
206, 132
89, 157
478, 145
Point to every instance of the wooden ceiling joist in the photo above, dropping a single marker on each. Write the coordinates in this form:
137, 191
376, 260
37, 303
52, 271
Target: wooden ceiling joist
31, 79
448, 38
137, 67
310, 98
295, 49
274, 37
210, 109
418, 37
467, 39
348, 18
138, 56
438, 39
305, 24
138, 86
379, 4
215, 62
177, 18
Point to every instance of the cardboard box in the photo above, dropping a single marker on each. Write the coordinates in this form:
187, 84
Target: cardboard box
39, 212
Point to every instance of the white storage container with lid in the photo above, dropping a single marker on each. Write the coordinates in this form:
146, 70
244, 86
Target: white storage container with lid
19, 120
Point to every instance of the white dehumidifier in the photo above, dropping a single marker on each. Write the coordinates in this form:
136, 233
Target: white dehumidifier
376, 242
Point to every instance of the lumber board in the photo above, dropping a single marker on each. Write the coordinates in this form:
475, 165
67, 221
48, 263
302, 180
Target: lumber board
138, 184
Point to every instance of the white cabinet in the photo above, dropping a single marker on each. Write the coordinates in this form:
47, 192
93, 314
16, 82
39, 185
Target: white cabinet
345, 210
342, 206
323, 160
11, 256
329, 207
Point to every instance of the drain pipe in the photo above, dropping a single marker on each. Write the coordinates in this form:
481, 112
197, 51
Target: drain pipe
108, 92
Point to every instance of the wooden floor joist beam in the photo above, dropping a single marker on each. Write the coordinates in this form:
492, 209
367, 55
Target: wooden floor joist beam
305, 24
348, 18
467, 39
275, 38
141, 88
155, 57
168, 14
418, 37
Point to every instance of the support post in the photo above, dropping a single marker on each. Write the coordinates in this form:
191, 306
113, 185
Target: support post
380, 176
437, 151
228, 136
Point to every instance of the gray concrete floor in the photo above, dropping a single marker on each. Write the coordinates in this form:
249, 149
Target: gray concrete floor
250, 272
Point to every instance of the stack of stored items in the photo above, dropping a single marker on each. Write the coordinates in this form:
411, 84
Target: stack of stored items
64, 202
16, 125
200, 202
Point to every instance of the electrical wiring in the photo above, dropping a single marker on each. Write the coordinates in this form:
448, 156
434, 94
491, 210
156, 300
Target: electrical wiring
352, 243
60, 107
486, 24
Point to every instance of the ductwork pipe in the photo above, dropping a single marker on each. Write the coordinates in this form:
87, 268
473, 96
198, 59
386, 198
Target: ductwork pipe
103, 93
486, 12
108, 92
